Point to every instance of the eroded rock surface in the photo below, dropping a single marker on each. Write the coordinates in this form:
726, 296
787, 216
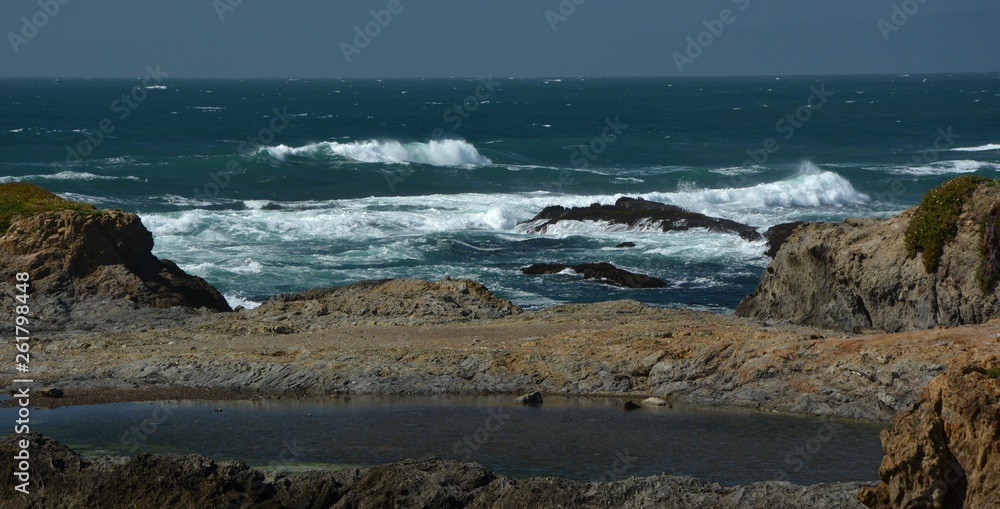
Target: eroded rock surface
944, 452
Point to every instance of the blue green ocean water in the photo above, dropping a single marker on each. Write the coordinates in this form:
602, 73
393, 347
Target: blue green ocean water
270, 186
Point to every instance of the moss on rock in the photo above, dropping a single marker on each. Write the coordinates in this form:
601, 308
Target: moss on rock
24, 199
935, 223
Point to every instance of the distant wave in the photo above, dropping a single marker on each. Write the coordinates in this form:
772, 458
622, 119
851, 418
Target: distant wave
434, 153
981, 148
65, 175
941, 168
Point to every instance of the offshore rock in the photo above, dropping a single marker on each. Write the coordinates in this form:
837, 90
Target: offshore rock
603, 271
636, 213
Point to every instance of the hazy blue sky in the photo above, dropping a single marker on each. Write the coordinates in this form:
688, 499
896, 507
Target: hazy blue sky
434, 38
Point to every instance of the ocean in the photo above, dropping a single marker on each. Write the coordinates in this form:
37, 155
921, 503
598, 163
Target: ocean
271, 186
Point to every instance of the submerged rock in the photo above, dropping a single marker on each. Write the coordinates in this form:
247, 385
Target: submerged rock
62, 478
637, 212
879, 274
604, 271
945, 451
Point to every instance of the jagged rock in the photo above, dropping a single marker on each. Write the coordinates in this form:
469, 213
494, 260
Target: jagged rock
777, 235
604, 271
76, 258
62, 479
944, 452
636, 212
392, 298
859, 275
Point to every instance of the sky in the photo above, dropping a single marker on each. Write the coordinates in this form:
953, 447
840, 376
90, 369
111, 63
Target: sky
517, 38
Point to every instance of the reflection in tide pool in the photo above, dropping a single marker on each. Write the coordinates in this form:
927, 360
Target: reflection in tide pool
574, 438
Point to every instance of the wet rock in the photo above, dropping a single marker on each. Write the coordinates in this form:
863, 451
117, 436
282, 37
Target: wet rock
631, 405
52, 392
637, 212
624, 245
530, 399
603, 271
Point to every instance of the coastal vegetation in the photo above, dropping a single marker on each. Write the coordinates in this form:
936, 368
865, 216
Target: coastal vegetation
935, 222
22, 199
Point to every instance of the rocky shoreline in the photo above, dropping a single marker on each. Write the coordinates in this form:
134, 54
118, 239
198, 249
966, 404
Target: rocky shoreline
848, 322
171, 481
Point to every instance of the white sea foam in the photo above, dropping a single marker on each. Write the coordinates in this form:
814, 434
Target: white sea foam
434, 152
940, 168
982, 148
66, 175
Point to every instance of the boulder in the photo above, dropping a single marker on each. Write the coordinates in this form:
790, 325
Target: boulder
603, 271
625, 245
76, 256
916, 270
530, 399
944, 452
637, 212
654, 401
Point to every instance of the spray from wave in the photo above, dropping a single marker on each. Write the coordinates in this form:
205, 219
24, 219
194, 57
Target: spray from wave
433, 153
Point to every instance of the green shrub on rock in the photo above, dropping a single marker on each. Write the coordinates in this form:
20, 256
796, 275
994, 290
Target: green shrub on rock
935, 223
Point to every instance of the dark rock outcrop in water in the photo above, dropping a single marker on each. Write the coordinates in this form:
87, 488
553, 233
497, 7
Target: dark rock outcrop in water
634, 212
604, 271
79, 259
945, 452
860, 274
777, 235
393, 298
63, 479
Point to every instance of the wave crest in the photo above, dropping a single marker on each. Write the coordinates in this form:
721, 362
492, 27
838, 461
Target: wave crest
433, 153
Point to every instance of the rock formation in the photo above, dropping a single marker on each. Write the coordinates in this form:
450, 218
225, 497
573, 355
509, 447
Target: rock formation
63, 479
393, 298
77, 257
636, 212
944, 453
915, 270
603, 271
